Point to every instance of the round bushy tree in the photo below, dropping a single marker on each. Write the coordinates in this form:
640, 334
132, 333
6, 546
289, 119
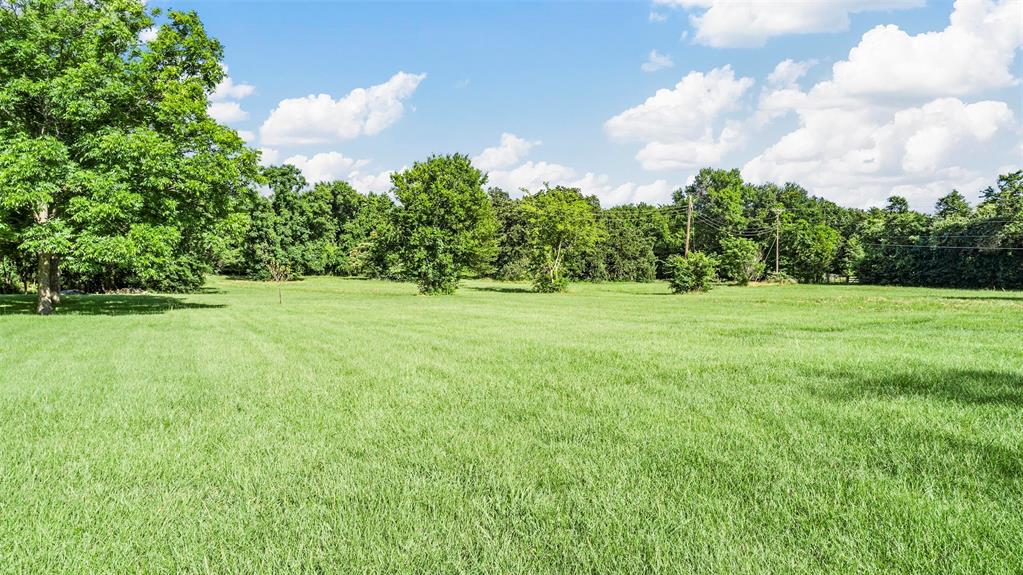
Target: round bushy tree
689, 274
108, 157
444, 224
741, 260
560, 222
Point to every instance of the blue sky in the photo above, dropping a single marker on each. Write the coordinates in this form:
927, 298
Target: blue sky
854, 99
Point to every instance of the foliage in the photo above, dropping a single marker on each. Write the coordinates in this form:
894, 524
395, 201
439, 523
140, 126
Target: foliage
959, 246
741, 260
444, 224
562, 224
106, 143
850, 256
627, 252
717, 204
779, 278
812, 249
953, 205
512, 262
9, 278
691, 274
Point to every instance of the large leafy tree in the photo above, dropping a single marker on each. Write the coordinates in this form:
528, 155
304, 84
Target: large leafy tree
512, 261
368, 239
627, 252
561, 222
108, 157
813, 248
718, 198
444, 223
741, 260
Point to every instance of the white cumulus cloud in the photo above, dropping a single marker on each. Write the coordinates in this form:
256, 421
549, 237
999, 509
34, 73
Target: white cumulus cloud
974, 53
227, 112
749, 23
788, 72
325, 167
861, 156
656, 61
224, 103
317, 119
334, 166
269, 156
894, 116
679, 126
532, 175
510, 151
229, 90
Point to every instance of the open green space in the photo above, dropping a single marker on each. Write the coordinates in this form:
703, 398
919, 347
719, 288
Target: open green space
361, 428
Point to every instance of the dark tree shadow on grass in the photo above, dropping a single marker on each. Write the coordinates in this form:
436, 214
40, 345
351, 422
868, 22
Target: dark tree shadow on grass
501, 289
110, 305
983, 298
966, 386
236, 278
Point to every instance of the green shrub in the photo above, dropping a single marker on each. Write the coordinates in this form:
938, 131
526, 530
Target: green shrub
779, 278
8, 277
741, 260
694, 273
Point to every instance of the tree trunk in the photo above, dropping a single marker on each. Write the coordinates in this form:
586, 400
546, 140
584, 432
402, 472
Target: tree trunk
55, 280
44, 278
45, 303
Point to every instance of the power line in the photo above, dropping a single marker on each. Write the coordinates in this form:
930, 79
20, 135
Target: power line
749, 233
918, 246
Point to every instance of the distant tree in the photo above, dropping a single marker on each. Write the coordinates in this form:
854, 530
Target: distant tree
512, 261
718, 202
263, 252
279, 273
953, 205
627, 254
812, 249
292, 219
741, 260
897, 205
561, 221
691, 274
1005, 201
369, 239
850, 256
332, 207
444, 222
106, 142
224, 244
889, 238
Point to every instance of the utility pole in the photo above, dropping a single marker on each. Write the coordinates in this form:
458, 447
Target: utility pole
689, 221
777, 238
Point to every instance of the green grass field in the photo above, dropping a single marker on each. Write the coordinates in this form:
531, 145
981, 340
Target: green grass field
360, 428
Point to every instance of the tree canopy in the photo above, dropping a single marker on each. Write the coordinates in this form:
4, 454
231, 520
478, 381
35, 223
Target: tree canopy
113, 175
444, 224
561, 224
110, 167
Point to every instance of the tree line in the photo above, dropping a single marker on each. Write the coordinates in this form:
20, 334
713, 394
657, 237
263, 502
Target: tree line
441, 222
113, 176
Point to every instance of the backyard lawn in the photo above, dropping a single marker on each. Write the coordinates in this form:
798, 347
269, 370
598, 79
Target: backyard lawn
358, 427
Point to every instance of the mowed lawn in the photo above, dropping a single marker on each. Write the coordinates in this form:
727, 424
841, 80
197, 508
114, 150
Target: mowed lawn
361, 428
